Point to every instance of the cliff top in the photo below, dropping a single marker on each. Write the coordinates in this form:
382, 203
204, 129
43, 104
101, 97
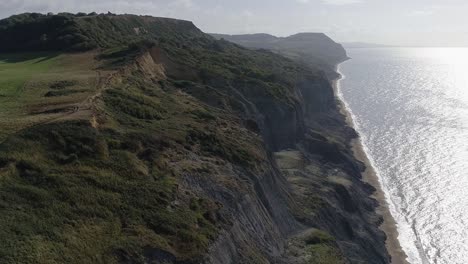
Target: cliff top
315, 49
80, 32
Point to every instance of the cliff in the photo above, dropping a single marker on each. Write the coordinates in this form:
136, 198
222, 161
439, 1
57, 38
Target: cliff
315, 49
177, 148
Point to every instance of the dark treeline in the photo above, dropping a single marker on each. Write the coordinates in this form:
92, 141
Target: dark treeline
37, 32
81, 31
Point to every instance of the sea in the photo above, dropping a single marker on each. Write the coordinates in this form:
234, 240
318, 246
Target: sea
410, 107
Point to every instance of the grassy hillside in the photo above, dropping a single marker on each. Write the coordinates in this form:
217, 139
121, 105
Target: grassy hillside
81, 32
71, 193
38, 87
145, 150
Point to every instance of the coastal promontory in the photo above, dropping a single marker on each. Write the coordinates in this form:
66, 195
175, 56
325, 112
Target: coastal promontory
136, 139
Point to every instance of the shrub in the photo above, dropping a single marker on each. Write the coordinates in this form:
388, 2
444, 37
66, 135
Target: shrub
135, 106
63, 84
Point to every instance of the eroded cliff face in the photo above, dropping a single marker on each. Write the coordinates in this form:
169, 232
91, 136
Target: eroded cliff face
312, 150
191, 150
320, 188
322, 166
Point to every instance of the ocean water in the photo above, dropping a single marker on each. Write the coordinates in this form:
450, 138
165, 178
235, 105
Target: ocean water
410, 106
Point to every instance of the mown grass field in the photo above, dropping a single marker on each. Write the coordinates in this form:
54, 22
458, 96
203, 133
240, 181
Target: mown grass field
17, 69
27, 81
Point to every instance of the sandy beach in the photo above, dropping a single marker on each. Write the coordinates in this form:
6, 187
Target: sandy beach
370, 176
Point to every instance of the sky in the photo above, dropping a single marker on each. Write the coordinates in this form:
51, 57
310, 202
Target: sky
391, 22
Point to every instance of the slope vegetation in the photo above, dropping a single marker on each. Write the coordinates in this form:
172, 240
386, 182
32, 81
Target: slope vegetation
158, 146
315, 49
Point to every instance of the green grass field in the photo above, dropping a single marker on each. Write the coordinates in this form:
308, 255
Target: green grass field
27, 86
17, 69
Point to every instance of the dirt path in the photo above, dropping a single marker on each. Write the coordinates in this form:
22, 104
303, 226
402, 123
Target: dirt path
87, 109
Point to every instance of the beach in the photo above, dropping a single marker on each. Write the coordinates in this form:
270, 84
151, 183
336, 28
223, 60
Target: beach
370, 176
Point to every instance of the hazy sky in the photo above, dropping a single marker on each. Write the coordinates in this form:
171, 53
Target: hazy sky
401, 22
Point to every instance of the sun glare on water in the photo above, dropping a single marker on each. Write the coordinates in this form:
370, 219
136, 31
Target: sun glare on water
411, 108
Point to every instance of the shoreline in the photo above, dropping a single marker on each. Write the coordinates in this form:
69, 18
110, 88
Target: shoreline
389, 225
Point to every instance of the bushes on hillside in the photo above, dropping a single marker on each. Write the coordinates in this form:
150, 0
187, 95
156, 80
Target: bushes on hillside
37, 32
